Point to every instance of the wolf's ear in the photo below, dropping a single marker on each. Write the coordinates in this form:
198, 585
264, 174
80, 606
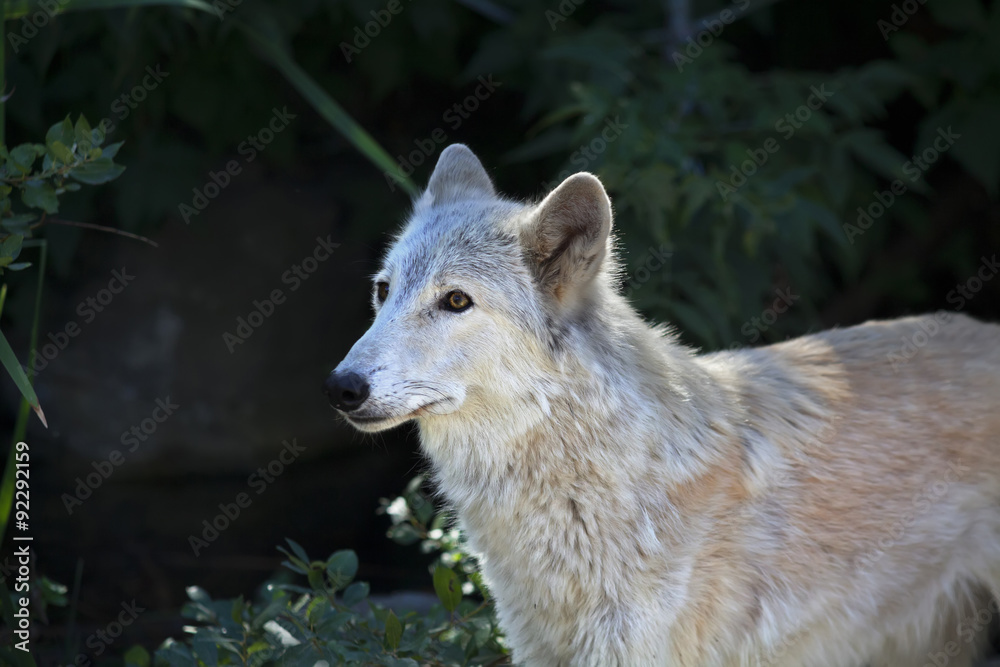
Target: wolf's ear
458, 175
567, 236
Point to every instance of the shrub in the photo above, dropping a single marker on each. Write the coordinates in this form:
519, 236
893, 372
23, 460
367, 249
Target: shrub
331, 618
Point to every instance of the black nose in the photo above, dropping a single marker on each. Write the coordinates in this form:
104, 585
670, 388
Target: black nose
347, 391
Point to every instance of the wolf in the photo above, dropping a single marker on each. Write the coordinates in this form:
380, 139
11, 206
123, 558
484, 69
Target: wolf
820, 502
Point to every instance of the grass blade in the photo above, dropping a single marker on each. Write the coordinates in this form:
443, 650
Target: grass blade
328, 108
10, 362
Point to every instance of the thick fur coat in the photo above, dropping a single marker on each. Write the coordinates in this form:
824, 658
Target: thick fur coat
822, 502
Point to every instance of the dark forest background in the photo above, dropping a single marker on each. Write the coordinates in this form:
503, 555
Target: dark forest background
777, 168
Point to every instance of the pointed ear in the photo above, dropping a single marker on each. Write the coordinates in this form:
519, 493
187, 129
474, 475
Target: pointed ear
458, 175
567, 236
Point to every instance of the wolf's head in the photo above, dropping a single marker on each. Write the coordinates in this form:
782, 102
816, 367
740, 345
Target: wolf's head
473, 300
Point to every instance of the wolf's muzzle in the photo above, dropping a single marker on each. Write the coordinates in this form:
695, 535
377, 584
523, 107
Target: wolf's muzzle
346, 391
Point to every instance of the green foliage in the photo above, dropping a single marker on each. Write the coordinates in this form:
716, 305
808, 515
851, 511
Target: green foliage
746, 180
687, 122
332, 618
959, 84
72, 154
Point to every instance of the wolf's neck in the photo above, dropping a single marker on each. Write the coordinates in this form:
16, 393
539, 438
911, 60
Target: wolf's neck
622, 401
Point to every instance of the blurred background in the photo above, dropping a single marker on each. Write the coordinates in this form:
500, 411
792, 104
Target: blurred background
776, 167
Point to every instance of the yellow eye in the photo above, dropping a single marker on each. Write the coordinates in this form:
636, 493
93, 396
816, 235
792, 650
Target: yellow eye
457, 301
382, 292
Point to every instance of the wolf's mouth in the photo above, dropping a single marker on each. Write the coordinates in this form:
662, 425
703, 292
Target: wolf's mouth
387, 421
357, 419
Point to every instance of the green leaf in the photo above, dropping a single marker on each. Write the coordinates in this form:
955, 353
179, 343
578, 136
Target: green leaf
404, 533
477, 579
175, 654
97, 135
99, 171
393, 631
10, 248
448, 587
237, 610
136, 656
206, 651
294, 563
111, 150
53, 593
269, 613
315, 576
62, 131
341, 568
83, 132
9, 360
39, 194
297, 549
198, 594
975, 137
824, 218
61, 152
355, 593
19, 224
422, 509
23, 157
870, 148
